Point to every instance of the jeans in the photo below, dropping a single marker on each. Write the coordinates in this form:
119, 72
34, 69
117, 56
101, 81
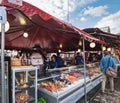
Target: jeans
111, 79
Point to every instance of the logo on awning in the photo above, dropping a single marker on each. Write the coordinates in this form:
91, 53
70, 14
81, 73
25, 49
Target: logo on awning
17, 2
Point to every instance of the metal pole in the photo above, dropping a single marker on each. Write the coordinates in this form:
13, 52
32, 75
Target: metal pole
102, 49
84, 70
68, 11
2, 61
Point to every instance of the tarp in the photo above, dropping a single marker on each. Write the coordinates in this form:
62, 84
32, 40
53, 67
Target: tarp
43, 29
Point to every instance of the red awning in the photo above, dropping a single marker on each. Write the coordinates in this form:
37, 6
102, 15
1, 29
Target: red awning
111, 39
43, 29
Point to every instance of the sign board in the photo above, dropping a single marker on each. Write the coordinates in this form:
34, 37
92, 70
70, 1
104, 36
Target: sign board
17, 2
1, 1
3, 14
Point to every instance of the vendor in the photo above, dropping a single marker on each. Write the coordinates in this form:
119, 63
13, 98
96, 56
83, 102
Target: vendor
59, 61
37, 58
53, 62
79, 59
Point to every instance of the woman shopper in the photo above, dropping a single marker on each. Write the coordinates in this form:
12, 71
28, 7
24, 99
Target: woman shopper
106, 62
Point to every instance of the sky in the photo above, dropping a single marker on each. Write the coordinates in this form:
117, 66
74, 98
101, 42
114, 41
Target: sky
84, 13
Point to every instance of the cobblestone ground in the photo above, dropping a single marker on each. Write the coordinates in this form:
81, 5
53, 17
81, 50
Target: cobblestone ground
95, 96
108, 96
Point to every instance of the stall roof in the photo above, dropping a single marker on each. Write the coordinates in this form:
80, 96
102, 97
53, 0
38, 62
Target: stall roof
43, 29
112, 39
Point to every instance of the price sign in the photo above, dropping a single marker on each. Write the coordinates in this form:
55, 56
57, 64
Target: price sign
3, 15
17, 2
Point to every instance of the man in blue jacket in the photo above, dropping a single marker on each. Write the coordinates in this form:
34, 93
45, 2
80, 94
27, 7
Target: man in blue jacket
79, 59
106, 62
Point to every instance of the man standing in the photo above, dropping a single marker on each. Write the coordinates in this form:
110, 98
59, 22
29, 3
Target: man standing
106, 62
79, 59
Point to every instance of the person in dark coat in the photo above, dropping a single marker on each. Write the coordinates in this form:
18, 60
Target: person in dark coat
59, 60
79, 59
53, 62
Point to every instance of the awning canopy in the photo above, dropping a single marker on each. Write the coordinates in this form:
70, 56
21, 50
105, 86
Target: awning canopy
43, 29
111, 39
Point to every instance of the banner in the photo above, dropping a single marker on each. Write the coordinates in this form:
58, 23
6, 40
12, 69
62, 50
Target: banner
17, 2
1, 1
3, 14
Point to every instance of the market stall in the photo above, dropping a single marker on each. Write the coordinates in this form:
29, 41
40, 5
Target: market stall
45, 30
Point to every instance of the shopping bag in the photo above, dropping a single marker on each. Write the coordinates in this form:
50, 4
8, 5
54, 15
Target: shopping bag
111, 72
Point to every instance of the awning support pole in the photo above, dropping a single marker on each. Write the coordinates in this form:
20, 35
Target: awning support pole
2, 61
84, 70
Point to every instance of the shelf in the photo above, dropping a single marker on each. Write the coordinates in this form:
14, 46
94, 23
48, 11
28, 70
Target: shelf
32, 85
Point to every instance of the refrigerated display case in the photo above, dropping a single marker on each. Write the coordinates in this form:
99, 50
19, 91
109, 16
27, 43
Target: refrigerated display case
67, 86
24, 88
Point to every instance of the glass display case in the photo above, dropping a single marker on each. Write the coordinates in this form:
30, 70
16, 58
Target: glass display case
24, 84
66, 85
7, 80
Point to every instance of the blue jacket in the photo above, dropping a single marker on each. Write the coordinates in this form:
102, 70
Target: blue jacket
79, 60
53, 64
104, 63
59, 61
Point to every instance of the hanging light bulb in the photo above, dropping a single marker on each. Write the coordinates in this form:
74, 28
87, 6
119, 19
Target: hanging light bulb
79, 50
103, 48
7, 26
92, 44
25, 34
108, 49
61, 46
80, 43
59, 50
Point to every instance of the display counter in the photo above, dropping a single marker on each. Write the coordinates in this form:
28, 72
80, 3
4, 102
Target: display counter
72, 92
22, 85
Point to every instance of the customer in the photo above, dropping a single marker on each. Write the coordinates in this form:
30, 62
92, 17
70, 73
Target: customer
106, 62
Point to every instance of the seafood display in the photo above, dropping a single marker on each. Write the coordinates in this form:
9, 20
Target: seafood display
70, 78
76, 74
58, 85
53, 86
67, 79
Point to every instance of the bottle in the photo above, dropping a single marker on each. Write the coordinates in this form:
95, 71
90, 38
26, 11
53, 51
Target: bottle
28, 59
24, 60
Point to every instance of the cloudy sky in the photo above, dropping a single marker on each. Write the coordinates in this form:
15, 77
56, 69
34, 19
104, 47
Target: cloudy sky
84, 13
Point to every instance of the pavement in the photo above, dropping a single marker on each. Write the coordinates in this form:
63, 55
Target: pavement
108, 96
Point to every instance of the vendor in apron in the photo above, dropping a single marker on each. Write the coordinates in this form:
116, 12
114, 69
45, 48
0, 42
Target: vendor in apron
37, 58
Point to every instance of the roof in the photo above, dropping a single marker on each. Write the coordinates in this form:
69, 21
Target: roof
43, 29
110, 38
